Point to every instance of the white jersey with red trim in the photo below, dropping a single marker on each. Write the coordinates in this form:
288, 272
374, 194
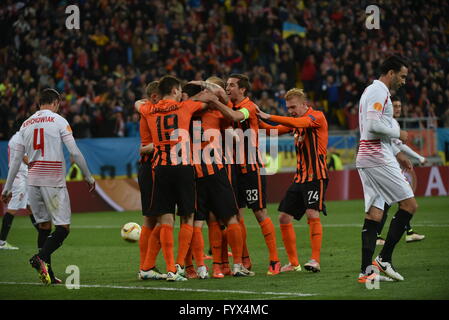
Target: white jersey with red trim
375, 149
42, 135
13, 143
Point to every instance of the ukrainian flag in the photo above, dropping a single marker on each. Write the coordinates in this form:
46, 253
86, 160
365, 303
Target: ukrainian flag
291, 29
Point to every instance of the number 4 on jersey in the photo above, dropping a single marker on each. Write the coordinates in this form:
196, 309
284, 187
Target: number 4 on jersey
38, 140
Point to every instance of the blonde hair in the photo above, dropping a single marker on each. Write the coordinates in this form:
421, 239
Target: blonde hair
152, 88
217, 81
295, 92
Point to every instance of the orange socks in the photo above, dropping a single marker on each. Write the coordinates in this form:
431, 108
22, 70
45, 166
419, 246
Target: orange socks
234, 236
143, 244
289, 239
316, 236
167, 244
224, 246
245, 252
184, 241
188, 260
154, 246
270, 238
198, 246
215, 241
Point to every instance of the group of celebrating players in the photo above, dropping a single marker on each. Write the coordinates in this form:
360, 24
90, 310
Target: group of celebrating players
188, 169
217, 189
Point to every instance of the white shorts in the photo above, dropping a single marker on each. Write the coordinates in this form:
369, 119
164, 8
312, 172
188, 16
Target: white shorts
50, 204
19, 199
384, 184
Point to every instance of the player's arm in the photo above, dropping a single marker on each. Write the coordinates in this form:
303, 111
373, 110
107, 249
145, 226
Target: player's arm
14, 165
409, 152
139, 103
144, 131
214, 88
78, 157
404, 161
280, 128
147, 149
374, 115
301, 122
230, 114
401, 157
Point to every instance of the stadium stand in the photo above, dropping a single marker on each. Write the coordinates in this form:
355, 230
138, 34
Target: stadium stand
102, 68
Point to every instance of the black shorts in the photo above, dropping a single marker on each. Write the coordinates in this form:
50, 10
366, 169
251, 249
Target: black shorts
173, 186
145, 179
303, 196
251, 190
215, 194
231, 171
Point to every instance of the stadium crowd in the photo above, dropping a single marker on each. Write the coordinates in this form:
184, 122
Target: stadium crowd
103, 68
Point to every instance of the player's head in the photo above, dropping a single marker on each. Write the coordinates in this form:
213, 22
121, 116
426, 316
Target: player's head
397, 107
189, 90
152, 91
217, 81
170, 86
237, 87
295, 100
395, 70
49, 99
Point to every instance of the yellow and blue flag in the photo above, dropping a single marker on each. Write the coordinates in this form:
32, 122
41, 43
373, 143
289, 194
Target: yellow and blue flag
291, 29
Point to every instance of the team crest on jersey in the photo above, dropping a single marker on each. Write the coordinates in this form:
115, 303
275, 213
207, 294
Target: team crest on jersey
69, 129
377, 106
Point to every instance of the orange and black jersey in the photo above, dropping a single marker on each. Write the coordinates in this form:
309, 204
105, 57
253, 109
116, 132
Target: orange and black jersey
169, 123
251, 160
144, 130
208, 125
311, 138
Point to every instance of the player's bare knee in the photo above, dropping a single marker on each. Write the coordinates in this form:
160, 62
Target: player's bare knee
284, 218
45, 225
187, 219
261, 214
312, 214
374, 214
231, 220
409, 205
149, 222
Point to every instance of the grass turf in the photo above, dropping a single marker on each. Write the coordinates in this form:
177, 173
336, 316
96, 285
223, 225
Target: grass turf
108, 265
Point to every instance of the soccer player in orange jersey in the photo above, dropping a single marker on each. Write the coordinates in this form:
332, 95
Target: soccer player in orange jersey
145, 180
251, 184
216, 199
306, 194
174, 176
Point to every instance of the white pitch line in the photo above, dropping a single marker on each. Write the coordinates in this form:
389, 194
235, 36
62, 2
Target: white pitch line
340, 225
298, 294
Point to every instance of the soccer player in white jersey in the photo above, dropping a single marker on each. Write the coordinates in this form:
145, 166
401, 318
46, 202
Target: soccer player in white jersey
411, 235
41, 137
19, 199
380, 173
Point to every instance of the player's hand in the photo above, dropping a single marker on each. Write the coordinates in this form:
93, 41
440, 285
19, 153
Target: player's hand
6, 196
205, 96
261, 114
91, 182
404, 161
424, 162
139, 103
403, 136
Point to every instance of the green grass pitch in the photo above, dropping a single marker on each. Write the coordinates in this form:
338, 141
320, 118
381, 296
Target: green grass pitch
108, 265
